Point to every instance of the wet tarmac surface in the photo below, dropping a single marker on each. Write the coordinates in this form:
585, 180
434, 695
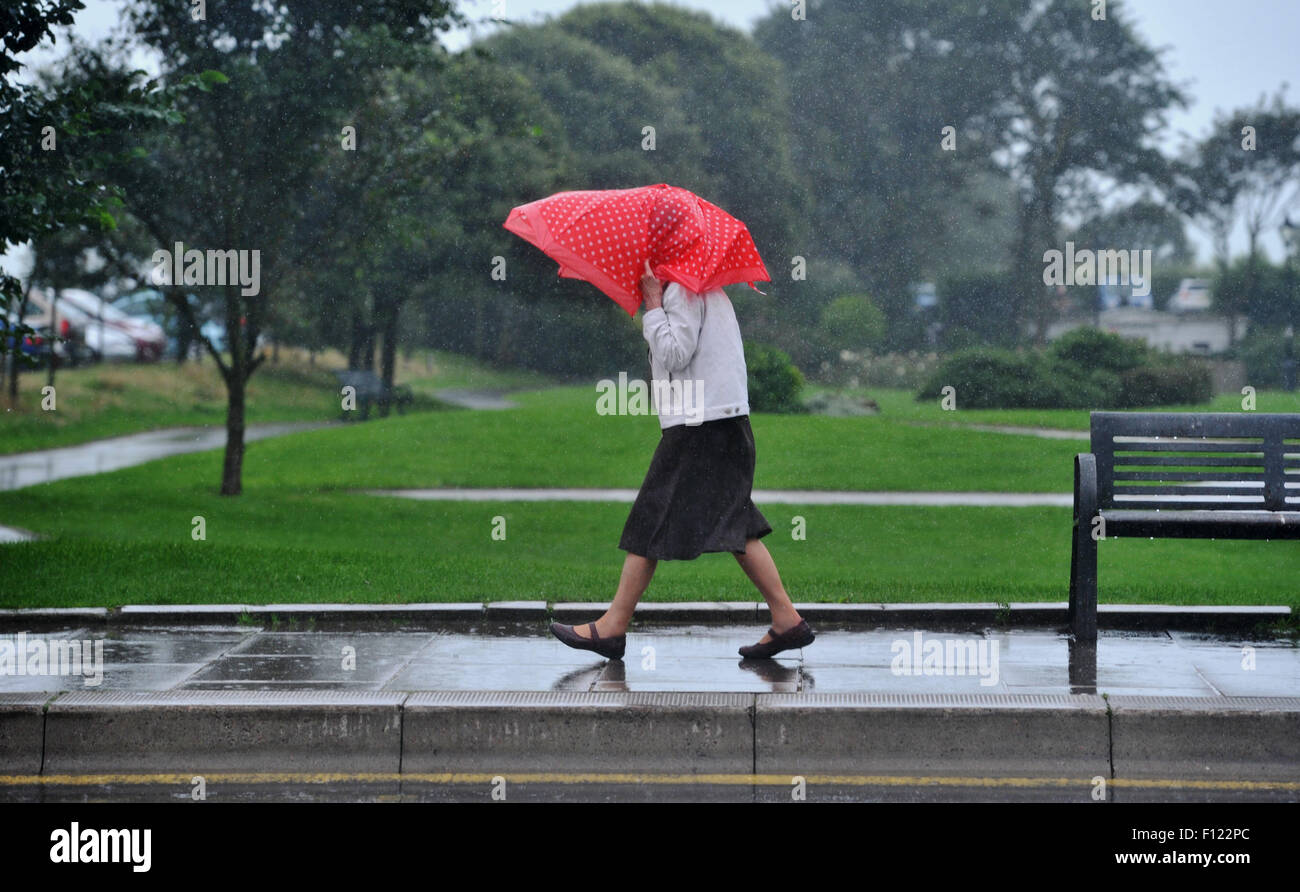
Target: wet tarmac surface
31, 468
524, 657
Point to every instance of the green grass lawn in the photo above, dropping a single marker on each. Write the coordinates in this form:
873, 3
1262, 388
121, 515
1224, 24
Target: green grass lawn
556, 439
902, 404
278, 547
110, 400
299, 534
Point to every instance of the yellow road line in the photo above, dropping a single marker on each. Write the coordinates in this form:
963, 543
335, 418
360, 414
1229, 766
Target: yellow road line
765, 780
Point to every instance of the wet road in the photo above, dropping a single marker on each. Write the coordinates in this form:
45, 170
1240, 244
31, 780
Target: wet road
629, 788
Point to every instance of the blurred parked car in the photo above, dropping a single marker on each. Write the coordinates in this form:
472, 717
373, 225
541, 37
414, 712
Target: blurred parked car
109, 332
74, 324
40, 345
1192, 295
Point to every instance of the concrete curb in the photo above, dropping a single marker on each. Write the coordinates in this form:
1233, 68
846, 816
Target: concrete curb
1247, 738
22, 731
210, 731
515, 611
991, 735
1052, 737
1133, 617
987, 736
692, 612
37, 619
689, 733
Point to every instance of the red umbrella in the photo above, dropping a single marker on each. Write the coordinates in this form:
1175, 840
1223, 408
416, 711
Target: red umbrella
605, 237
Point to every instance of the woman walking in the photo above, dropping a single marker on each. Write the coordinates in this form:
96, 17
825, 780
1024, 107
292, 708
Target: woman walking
696, 494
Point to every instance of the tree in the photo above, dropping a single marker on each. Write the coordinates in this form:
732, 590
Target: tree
873, 87
1081, 103
1247, 169
239, 176
56, 141
731, 93
1140, 225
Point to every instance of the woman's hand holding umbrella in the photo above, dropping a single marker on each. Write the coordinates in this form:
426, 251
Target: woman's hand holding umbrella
651, 290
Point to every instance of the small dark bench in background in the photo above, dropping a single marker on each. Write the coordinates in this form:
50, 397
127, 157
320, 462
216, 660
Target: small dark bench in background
1180, 475
370, 390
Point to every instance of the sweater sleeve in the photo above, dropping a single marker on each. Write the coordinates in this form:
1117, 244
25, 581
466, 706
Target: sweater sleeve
673, 330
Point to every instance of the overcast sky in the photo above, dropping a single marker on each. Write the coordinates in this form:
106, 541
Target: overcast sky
1226, 54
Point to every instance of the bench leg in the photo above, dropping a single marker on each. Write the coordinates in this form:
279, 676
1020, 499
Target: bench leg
1083, 583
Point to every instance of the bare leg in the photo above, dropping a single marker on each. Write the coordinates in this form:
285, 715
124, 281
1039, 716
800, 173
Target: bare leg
637, 572
761, 569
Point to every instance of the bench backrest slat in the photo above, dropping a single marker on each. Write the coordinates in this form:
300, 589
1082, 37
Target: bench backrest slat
1197, 461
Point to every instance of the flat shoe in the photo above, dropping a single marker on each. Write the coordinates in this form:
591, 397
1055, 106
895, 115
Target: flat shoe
798, 636
609, 648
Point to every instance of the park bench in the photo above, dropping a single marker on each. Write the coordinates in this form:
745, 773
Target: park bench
1184, 476
370, 390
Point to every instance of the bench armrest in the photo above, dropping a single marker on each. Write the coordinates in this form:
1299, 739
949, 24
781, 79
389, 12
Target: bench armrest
1085, 487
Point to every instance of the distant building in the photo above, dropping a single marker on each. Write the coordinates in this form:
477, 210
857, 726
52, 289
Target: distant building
1201, 334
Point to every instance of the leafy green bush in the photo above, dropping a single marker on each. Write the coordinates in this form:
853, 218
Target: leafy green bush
1166, 384
987, 378
774, 381
853, 322
1263, 354
1092, 350
1087, 372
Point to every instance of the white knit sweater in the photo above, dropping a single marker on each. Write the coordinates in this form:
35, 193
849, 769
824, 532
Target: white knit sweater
697, 358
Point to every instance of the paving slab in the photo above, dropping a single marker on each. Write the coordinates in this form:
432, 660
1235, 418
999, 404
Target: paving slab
680, 656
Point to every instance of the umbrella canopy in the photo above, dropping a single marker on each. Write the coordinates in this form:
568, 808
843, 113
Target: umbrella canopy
606, 236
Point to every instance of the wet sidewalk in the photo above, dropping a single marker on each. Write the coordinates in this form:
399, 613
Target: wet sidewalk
667, 657
871, 711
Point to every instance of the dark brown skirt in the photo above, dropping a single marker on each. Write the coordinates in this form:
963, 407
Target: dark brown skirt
696, 495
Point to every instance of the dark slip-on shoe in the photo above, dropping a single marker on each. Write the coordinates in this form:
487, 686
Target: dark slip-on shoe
609, 648
799, 636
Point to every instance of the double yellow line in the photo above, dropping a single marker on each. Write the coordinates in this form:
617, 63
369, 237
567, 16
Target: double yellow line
615, 778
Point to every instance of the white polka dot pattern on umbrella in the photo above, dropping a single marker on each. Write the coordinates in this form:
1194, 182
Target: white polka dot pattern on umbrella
606, 237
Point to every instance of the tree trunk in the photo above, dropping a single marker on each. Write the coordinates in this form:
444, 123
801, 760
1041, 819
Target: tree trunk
356, 344
184, 340
54, 328
388, 358
368, 359
232, 467
15, 356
